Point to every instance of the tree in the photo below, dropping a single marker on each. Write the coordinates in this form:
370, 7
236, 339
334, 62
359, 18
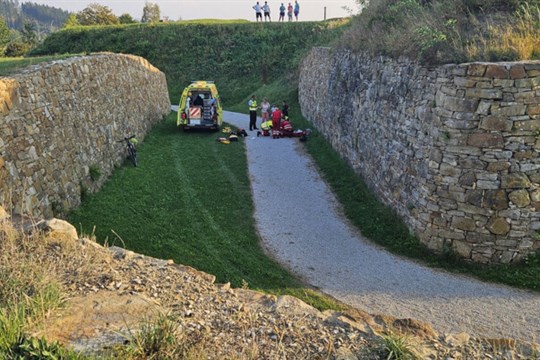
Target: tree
151, 13
4, 34
126, 19
96, 14
71, 21
29, 33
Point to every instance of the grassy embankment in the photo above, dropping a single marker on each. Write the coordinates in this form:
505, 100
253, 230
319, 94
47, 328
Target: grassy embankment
239, 72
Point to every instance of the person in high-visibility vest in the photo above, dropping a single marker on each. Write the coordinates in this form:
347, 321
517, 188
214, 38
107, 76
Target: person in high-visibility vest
252, 113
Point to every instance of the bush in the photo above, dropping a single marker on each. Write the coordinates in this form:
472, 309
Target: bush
16, 49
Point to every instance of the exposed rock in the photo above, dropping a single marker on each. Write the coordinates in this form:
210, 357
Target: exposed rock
520, 198
515, 181
498, 226
58, 228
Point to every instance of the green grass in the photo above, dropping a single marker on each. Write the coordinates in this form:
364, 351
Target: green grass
10, 65
188, 200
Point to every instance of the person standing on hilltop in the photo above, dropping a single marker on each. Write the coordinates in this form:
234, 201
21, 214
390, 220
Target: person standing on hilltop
289, 11
258, 13
296, 9
282, 12
266, 9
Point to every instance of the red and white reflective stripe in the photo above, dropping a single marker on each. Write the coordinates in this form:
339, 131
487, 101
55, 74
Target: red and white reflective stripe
195, 112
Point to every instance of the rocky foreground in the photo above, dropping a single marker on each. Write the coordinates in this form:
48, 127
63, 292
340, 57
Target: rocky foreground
113, 294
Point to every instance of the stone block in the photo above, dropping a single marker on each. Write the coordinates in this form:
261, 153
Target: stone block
529, 125
474, 197
529, 167
510, 110
495, 199
464, 224
485, 140
464, 82
484, 93
460, 104
505, 84
497, 72
520, 198
524, 83
498, 226
533, 110
472, 163
462, 248
496, 123
453, 235
468, 179
525, 155
476, 70
498, 166
517, 72
486, 184
464, 150
515, 181
449, 170
535, 195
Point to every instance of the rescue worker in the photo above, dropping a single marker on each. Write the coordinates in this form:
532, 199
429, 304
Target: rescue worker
276, 122
253, 113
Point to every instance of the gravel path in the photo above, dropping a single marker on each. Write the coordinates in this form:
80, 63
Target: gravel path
300, 223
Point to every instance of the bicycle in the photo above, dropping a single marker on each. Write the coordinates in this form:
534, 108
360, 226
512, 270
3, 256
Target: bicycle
131, 149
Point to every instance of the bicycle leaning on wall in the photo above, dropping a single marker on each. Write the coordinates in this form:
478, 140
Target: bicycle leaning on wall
131, 142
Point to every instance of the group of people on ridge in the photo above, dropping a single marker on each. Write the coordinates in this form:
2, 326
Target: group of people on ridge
259, 10
272, 115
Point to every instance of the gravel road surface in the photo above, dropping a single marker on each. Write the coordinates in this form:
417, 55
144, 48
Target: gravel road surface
301, 224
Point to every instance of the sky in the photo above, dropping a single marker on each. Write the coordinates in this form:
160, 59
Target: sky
215, 9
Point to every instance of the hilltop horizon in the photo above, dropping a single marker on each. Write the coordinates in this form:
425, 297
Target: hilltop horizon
310, 10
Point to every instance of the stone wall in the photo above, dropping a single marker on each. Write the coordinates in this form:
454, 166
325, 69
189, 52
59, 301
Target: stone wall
453, 149
60, 122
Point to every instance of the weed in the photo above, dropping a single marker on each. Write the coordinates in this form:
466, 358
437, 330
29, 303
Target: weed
157, 338
446, 135
95, 172
33, 348
398, 347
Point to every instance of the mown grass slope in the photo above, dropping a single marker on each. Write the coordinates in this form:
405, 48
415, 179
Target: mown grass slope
238, 56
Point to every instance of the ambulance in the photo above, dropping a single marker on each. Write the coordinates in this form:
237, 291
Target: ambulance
200, 107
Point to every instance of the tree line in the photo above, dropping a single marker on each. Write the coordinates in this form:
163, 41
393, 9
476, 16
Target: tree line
23, 26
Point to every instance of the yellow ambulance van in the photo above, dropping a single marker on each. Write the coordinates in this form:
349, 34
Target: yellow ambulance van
200, 107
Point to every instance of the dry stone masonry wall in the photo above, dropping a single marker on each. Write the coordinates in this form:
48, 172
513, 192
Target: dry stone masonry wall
452, 149
60, 122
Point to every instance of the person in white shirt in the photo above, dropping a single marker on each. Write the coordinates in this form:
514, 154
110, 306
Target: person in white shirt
266, 9
258, 13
